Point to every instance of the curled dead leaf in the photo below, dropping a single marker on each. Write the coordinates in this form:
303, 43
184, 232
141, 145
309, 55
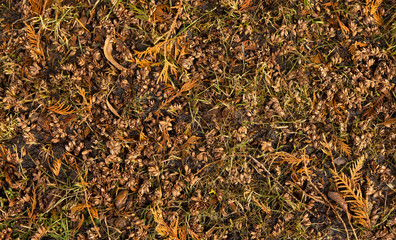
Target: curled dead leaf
112, 109
107, 49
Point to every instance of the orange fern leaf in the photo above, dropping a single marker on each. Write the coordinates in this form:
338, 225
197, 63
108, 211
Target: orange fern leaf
344, 148
245, 5
355, 170
60, 108
57, 166
39, 6
34, 40
352, 194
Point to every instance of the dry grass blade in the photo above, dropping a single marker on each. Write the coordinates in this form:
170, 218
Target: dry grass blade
60, 108
80, 223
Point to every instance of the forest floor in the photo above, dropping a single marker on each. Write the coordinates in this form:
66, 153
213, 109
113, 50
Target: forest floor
194, 119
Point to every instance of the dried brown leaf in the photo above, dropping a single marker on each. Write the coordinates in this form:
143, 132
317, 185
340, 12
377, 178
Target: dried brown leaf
121, 199
339, 161
389, 122
335, 196
107, 49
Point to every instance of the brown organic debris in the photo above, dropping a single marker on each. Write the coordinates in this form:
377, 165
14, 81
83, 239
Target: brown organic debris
107, 49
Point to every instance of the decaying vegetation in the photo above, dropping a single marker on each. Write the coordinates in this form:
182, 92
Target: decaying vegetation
229, 119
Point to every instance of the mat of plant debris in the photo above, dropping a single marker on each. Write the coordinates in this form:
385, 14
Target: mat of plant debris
187, 119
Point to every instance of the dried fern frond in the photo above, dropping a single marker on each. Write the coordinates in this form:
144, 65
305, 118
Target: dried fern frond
344, 148
164, 75
56, 166
186, 87
60, 108
352, 194
172, 231
39, 6
34, 40
3, 152
344, 28
170, 48
372, 7
245, 5
378, 19
355, 170
289, 158
352, 50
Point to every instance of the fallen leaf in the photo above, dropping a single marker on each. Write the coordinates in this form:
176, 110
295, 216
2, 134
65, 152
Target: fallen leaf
339, 161
389, 122
107, 49
121, 199
335, 196
112, 109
